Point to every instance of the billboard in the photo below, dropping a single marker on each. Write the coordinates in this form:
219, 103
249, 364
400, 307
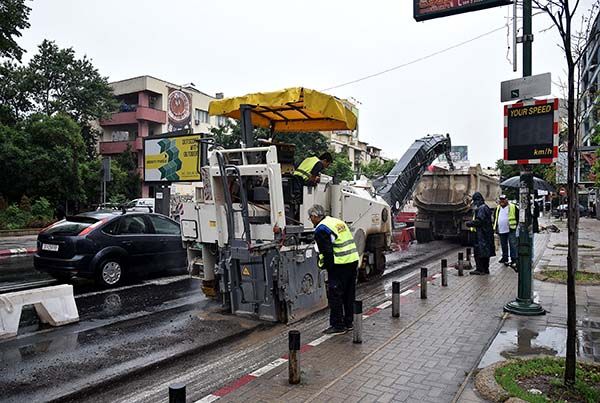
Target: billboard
171, 158
429, 9
179, 110
531, 132
457, 154
587, 159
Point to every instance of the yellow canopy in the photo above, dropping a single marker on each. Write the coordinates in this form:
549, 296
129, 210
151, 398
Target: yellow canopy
290, 110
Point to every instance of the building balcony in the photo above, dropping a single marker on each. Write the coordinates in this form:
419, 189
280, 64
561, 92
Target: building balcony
118, 147
133, 116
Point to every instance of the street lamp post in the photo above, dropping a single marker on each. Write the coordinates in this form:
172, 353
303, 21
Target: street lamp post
524, 304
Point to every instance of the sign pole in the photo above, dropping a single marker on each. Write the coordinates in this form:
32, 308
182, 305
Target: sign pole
524, 304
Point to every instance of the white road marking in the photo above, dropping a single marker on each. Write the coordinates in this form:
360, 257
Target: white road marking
384, 305
402, 294
208, 399
268, 367
320, 340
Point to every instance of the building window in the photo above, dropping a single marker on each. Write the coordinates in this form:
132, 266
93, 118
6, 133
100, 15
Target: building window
220, 121
200, 116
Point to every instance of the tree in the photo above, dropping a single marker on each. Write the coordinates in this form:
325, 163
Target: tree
55, 152
376, 168
340, 168
14, 100
14, 16
59, 82
574, 44
306, 143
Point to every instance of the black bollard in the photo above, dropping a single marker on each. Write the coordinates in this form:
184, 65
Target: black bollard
460, 264
395, 299
469, 254
177, 393
294, 361
358, 325
423, 282
444, 273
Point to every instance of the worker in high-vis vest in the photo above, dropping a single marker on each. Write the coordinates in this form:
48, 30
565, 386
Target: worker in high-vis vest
339, 256
309, 170
483, 246
506, 219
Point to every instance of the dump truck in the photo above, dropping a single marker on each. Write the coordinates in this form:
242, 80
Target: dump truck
443, 201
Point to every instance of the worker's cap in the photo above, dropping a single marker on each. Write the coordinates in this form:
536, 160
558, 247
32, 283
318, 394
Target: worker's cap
502, 197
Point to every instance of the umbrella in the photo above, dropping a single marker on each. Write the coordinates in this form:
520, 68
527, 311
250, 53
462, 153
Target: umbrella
538, 184
290, 110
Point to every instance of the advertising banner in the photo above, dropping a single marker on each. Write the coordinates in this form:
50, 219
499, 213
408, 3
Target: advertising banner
171, 158
457, 154
531, 132
179, 110
587, 159
429, 9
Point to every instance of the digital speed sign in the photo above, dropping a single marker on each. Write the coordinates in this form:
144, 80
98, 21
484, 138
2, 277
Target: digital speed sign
531, 132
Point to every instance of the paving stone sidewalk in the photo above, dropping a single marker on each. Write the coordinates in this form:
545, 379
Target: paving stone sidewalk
425, 355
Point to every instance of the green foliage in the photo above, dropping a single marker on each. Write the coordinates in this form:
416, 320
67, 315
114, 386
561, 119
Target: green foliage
306, 144
42, 209
56, 81
25, 204
42, 158
585, 386
376, 168
14, 16
340, 168
36, 215
545, 172
13, 217
125, 184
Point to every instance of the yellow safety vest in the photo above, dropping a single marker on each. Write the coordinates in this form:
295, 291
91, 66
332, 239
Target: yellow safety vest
305, 167
473, 229
512, 216
344, 248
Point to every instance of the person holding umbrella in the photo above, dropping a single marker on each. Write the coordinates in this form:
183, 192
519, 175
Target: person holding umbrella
481, 224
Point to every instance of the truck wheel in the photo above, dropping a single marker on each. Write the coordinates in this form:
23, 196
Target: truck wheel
423, 235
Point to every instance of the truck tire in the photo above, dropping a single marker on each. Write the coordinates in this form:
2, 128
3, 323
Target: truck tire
423, 235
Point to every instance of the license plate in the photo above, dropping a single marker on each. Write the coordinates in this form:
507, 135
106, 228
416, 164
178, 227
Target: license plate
50, 247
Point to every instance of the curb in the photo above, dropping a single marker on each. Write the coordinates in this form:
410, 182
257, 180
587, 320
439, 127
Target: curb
17, 251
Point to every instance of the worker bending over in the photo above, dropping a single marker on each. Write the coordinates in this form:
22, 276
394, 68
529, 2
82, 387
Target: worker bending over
337, 255
309, 171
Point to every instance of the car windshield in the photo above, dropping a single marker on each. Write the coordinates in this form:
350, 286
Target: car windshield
70, 226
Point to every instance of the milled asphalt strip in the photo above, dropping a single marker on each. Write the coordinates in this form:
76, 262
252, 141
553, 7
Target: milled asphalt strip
165, 306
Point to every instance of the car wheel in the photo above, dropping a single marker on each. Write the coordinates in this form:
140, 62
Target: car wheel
110, 272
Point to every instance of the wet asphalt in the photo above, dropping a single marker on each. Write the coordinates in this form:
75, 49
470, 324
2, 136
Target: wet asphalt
121, 333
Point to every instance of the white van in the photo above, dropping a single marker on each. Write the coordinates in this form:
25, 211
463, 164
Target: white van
144, 205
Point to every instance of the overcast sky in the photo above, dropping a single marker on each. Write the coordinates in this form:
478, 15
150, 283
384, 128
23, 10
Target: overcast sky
236, 47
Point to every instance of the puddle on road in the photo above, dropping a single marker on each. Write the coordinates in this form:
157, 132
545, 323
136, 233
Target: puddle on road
541, 340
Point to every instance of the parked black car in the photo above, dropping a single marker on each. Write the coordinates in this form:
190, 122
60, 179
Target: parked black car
107, 245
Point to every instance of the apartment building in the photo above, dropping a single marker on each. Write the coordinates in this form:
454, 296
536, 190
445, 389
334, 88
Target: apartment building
150, 107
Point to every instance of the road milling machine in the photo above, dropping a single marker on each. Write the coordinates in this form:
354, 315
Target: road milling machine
248, 233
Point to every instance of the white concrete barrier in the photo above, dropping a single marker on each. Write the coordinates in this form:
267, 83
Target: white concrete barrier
54, 305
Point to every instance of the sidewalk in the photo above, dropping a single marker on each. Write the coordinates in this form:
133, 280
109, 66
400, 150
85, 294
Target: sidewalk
425, 355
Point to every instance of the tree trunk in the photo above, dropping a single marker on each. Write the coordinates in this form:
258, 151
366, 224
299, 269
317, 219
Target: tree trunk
572, 228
